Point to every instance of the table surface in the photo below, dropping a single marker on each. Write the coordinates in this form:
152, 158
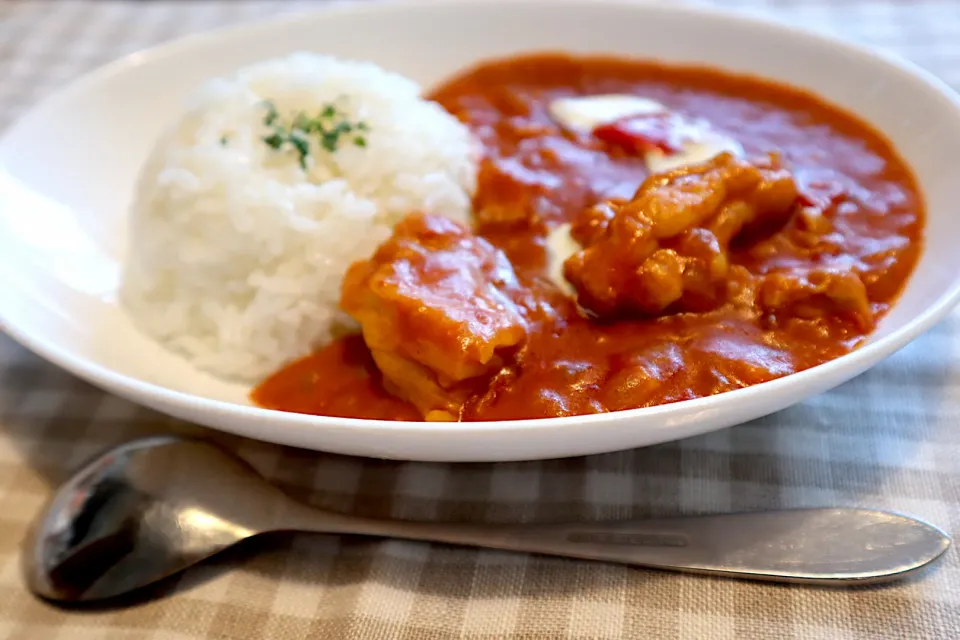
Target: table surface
888, 439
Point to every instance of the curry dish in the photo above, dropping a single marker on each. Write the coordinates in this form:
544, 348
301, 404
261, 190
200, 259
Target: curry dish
751, 264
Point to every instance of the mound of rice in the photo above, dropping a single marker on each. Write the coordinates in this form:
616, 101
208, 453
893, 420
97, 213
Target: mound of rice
236, 253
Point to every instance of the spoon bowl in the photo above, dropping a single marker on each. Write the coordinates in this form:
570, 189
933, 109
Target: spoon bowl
142, 512
153, 507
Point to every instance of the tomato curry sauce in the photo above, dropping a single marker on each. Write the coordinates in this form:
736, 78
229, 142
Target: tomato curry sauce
788, 268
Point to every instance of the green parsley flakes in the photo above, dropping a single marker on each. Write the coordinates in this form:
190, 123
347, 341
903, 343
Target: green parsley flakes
330, 127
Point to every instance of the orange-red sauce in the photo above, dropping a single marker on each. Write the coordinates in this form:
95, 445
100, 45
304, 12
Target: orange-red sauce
573, 365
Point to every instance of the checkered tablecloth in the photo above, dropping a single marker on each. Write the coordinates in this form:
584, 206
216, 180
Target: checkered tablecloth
889, 439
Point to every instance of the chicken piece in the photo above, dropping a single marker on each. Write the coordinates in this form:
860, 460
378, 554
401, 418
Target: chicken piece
666, 249
434, 303
816, 293
511, 194
813, 230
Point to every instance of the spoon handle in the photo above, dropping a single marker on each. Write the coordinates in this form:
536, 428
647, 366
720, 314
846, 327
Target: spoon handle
834, 546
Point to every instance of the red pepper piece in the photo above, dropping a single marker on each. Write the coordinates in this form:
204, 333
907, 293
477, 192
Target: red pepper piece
641, 133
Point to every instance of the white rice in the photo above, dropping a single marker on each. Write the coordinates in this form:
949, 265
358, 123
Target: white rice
235, 253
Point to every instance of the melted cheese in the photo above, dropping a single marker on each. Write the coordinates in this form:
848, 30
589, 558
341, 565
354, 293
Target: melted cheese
560, 246
701, 142
589, 112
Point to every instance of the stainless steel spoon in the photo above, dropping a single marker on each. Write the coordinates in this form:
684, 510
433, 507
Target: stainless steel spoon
155, 506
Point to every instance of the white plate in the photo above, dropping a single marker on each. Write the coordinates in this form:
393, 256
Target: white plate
68, 169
